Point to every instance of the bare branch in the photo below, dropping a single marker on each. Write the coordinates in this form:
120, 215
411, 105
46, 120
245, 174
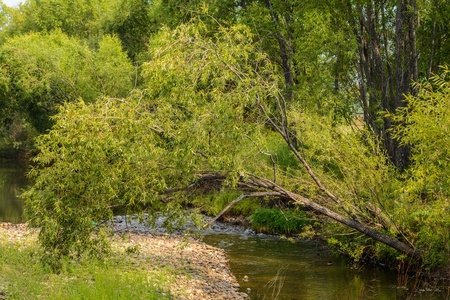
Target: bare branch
274, 166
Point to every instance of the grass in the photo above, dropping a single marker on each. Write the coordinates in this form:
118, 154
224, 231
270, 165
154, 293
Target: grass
274, 221
117, 277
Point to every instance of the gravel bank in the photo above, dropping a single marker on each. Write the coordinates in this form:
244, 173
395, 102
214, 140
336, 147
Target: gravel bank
203, 270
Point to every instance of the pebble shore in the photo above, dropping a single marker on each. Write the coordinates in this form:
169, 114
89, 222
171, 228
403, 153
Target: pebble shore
204, 272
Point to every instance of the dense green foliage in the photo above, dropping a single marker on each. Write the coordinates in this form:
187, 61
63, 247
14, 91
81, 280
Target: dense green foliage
139, 99
42, 71
425, 123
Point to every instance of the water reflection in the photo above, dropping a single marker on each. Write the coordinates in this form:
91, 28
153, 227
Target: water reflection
12, 180
278, 269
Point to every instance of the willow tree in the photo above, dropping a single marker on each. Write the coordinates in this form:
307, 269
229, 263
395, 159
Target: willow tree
203, 117
40, 72
86, 20
305, 40
75, 18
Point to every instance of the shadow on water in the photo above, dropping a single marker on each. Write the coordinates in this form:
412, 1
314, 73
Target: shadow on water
12, 181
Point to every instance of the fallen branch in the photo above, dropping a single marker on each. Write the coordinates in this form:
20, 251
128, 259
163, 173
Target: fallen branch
283, 129
376, 235
273, 189
257, 183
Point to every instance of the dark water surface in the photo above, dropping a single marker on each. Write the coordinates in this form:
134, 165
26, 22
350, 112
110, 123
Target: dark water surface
272, 268
12, 181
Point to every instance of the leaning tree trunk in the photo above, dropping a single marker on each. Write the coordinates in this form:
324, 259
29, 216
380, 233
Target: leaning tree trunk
354, 221
263, 187
274, 190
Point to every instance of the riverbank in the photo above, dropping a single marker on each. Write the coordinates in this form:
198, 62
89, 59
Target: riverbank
192, 270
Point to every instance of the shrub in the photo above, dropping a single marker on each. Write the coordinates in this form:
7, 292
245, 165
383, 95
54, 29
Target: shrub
424, 207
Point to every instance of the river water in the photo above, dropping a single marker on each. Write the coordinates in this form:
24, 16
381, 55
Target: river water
266, 267
12, 180
272, 268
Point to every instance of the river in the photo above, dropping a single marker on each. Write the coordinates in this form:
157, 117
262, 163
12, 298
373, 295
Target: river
12, 180
267, 267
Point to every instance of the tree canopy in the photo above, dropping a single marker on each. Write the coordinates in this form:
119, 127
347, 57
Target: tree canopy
43, 71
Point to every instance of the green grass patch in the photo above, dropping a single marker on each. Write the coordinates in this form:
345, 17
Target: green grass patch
117, 277
274, 221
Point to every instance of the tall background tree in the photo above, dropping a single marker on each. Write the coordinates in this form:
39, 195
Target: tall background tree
388, 64
395, 49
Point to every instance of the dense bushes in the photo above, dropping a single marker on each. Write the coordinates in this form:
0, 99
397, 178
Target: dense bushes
424, 205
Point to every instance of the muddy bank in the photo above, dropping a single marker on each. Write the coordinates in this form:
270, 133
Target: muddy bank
203, 270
